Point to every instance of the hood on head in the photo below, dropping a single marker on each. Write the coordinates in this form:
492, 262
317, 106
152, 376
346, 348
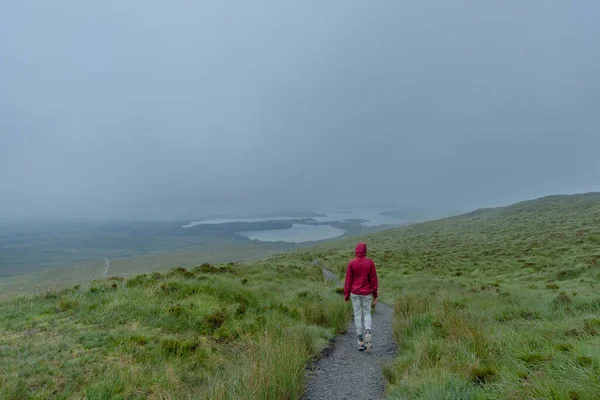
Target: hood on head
361, 249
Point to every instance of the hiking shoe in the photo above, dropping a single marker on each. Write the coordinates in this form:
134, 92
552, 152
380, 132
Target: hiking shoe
361, 346
368, 342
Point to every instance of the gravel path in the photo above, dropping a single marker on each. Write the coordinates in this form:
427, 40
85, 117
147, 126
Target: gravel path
346, 373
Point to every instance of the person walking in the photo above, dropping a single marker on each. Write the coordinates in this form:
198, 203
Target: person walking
361, 287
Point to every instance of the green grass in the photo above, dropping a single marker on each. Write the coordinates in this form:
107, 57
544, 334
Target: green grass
495, 304
229, 332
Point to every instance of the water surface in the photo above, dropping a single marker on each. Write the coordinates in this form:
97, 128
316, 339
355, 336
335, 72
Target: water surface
298, 233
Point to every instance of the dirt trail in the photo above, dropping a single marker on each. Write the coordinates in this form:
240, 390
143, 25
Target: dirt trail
106, 267
346, 373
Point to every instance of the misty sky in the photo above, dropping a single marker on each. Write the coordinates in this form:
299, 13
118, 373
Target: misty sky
156, 109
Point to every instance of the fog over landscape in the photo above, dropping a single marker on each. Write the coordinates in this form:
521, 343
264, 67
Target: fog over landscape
163, 111
274, 199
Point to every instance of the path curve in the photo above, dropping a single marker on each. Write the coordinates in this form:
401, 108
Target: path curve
346, 373
106, 267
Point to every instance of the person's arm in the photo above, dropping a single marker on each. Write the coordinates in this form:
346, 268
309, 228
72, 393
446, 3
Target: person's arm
348, 283
374, 282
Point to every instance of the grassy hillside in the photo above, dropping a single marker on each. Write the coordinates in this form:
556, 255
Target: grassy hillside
230, 332
497, 303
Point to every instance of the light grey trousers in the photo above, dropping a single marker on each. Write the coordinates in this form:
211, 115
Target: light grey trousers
362, 310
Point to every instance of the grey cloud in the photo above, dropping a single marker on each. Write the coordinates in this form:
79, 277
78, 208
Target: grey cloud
169, 110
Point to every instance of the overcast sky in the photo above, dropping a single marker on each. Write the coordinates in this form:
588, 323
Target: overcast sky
170, 109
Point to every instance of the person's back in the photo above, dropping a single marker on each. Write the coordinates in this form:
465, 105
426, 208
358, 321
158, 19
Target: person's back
361, 283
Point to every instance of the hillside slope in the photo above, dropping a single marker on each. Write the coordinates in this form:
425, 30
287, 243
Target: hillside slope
531, 239
496, 303
229, 332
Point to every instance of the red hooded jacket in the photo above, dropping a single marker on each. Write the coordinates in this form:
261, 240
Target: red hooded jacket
361, 276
